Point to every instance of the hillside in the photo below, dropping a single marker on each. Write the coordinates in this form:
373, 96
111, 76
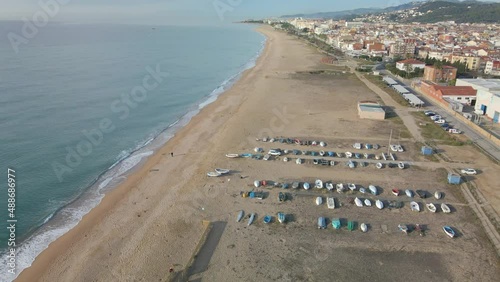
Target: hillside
460, 12
334, 15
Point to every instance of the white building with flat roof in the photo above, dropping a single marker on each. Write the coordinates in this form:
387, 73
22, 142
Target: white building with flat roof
487, 97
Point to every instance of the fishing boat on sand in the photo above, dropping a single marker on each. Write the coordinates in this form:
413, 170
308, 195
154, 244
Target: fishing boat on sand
339, 155
445, 208
373, 189
395, 192
233, 155
414, 206
329, 186
332, 163
340, 187
449, 231
336, 223
362, 190
318, 184
368, 203
267, 219
213, 174
409, 193
330, 201
401, 165
321, 223
298, 161
351, 186
240, 216
281, 197
222, 170
306, 186
438, 195
363, 227
348, 154
295, 185
379, 204
379, 165
351, 164
358, 202
281, 217
256, 183
431, 207
266, 157
319, 200
403, 228
251, 219
422, 194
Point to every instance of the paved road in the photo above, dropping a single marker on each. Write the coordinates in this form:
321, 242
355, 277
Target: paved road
489, 147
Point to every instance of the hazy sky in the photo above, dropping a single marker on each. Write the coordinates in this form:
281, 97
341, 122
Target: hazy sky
179, 11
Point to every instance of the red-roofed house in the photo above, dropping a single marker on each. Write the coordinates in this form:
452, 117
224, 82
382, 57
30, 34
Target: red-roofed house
414, 64
462, 94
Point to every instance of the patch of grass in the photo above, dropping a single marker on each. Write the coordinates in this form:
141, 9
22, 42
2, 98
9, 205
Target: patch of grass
377, 80
435, 133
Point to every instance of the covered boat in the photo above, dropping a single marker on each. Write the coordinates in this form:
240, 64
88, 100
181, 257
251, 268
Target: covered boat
414, 206
438, 195
257, 183
330, 201
336, 223
298, 161
321, 153
321, 222
266, 157
449, 231
409, 193
351, 164
332, 163
251, 219
431, 207
281, 197
379, 165
379, 204
339, 155
363, 227
340, 187
401, 165
348, 154
319, 200
373, 189
267, 219
358, 202
274, 152
395, 192
318, 184
331, 154
445, 208
322, 144
422, 194
351, 186
295, 185
403, 228
362, 190
368, 203
281, 217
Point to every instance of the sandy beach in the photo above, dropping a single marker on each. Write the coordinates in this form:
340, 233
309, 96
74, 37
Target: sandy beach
155, 220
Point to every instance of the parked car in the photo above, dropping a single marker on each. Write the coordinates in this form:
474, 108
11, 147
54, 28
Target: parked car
454, 131
469, 171
440, 121
435, 117
429, 113
445, 125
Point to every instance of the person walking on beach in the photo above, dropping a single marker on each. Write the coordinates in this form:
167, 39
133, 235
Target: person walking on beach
171, 154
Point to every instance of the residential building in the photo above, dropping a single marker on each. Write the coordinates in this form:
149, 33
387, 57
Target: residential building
403, 48
437, 74
488, 96
410, 64
472, 62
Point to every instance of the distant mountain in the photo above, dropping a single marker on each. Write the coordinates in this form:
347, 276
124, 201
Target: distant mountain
334, 15
460, 12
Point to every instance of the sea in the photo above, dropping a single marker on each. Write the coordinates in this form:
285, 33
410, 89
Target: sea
83, 105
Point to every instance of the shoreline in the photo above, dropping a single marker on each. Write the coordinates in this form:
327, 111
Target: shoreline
115, 194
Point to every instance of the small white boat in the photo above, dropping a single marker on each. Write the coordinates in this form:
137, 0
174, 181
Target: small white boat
332, 163
358, 202
362, 190
265, 139
438, 195
306, 185
401, 165
330, 201
240, 216
314, 143
348, 154
274, 152
329, 186
366, 155
321, 153
266, 157
373, 189
213, 174
351, 164
391, 155
256, 183
368, 203
379, 165
363, 227
233, 155
409, 193
445, 208
449, 231
351, 186
339, 155
403, 228
222, 170
340, 187
322, 144
318, 184
258, 150
298, 161
319, 200
251, 219
357, 146
379, 204
414, 206
431, 207
285, 159
377, 157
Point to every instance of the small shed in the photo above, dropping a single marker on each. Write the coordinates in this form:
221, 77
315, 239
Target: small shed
400, 89
454, 178
426, 150
389, 80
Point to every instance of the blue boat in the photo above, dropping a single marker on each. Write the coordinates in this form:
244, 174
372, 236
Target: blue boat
331, 154
449, 231
357, 155
281, 217
267, 219
368, 146
246, 155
